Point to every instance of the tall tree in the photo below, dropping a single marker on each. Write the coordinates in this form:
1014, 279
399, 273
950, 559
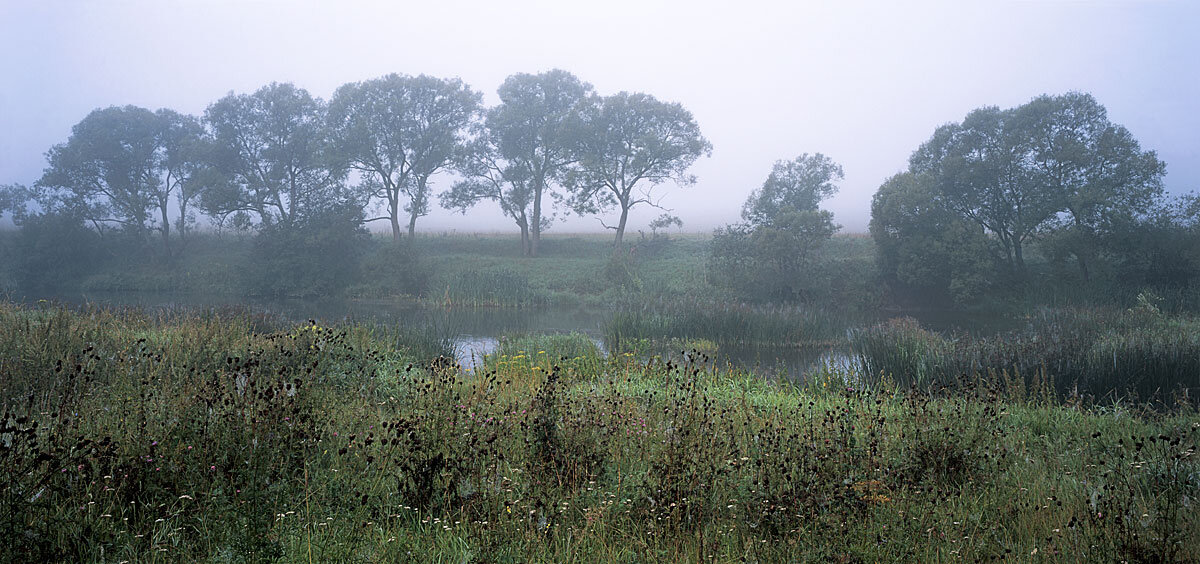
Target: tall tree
626, 145
981, 168
103, 172
398, 131
532, 129
271, 151
183, 158
121, 166
1096, 168
1053, 166
488, 176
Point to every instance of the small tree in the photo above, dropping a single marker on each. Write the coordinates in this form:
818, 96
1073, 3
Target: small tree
773, 253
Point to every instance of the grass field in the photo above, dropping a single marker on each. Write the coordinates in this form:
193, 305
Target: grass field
226, 437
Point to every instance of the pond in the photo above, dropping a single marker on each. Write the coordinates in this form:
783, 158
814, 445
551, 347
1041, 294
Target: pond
477, 332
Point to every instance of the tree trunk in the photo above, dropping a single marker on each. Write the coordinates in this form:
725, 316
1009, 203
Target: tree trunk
412, 224
166, 230
621, 227
394, 214
536, 220
182, 224
1019, 257
525, 248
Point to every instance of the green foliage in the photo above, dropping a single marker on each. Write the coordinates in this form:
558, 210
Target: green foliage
777, 261
318, 255
53, 250
492, 287
925, 251
212, 437
773, 256
1054, 163
390, 269
1100, 353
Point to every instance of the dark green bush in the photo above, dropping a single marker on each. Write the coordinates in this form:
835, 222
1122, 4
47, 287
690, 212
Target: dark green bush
316, 255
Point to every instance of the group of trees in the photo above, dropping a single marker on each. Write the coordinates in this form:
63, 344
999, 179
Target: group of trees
1055, 171
281, 159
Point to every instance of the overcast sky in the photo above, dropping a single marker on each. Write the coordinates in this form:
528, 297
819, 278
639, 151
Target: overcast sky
864, 83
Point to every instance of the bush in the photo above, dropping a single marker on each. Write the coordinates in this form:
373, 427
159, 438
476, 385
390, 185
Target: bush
315, 256
54, 250
392, 269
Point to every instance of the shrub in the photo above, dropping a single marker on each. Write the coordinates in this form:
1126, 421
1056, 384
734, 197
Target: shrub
316, 255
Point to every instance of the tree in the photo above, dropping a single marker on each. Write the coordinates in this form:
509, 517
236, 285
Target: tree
1096, 168
1055, 163
398, 131
120, 165
924, 248
771, 255
980, 169
271, 154
532, 129
626, 145
488, 176
799, 185
13, 198
185, 161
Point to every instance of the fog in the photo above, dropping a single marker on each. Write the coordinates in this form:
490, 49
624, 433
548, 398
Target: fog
864, 83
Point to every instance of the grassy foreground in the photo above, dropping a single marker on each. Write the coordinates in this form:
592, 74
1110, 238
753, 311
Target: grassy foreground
219, 437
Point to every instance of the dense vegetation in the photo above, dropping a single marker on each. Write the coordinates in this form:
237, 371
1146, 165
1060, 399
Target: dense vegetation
1069, 434
224, 437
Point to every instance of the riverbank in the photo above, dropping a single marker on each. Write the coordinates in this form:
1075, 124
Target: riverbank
213, 437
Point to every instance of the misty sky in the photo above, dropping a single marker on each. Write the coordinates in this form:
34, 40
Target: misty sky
864, 83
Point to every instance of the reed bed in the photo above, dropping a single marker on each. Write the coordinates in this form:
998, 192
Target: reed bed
491, 287
726, 323
187, 438
1102, 353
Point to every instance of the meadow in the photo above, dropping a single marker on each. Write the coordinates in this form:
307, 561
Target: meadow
232, 436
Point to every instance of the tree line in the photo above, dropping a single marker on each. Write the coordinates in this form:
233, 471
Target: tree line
280, 158
1055, 175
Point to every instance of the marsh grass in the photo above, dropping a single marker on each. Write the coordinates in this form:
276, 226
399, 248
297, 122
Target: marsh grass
1101, 353
218, 437
727, 323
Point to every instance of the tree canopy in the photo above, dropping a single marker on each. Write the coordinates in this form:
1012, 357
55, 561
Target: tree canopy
1056, 162
521, 150
796, 185
120, 166
398, 131
626, 145
272, 155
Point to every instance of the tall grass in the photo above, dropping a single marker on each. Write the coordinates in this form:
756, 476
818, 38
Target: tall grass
492, 287
730, 323
185, 437
1099, 352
